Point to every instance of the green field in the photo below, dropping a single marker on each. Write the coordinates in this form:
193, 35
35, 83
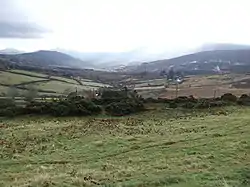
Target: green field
199, 86
60, 87
42, 82
29, 73
94, 84
69, 80
3, 89
155, 148
11, 78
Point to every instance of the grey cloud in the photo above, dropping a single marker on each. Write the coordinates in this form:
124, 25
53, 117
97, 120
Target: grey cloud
20, 30
14, 22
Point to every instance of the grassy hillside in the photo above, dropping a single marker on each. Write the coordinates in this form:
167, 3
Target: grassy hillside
43, 83
159, 148
11, 78
61, 87
43, 59
28, 73
214, 58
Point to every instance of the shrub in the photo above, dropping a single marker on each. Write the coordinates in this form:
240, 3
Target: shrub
150, 100
181, 99
244, 100
11, 111
37, 108
172, 105
75, 107
61, 109
229, 97
72, 95
124, 107
8, 108
7, 112
209, 103
189, 105
4, 103
244, 96
162, 100
184, 99
217, 103
202, 104
118, 94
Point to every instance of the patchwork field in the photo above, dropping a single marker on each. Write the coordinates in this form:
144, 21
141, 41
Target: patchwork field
9, 78
156, 148
45, 84
61, 87
28, 73
198, 86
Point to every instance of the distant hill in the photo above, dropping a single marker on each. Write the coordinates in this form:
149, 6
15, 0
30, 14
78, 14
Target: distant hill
221, 46
45, 58
104, 59
207, 60
207, 56
115, 60
10, 51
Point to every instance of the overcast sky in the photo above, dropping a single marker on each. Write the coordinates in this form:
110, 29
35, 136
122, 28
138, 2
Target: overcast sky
121, 25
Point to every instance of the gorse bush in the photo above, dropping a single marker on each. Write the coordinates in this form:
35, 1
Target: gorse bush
209, 103
244, 100
108, 96
37, 108
120, 103
72, 106
9, 108
124, 107
4, 103
11, 111
229, 97
114, 94
112, 102
172, 105
192, 103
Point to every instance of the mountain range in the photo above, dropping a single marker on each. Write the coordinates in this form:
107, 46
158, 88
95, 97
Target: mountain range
206, 60
140, 55
10, 51
206, 56
44, 59
116, 59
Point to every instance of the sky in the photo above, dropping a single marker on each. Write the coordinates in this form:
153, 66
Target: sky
122, 25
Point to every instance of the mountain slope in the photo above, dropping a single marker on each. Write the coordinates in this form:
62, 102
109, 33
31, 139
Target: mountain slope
221, 46
114, 59
132, 58
202, 60
10, 51
45, 58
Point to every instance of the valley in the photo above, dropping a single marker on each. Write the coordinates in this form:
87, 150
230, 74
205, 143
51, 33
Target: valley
124, 93
168, 124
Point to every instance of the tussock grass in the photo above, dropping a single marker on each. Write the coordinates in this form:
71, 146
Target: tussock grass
156, 148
